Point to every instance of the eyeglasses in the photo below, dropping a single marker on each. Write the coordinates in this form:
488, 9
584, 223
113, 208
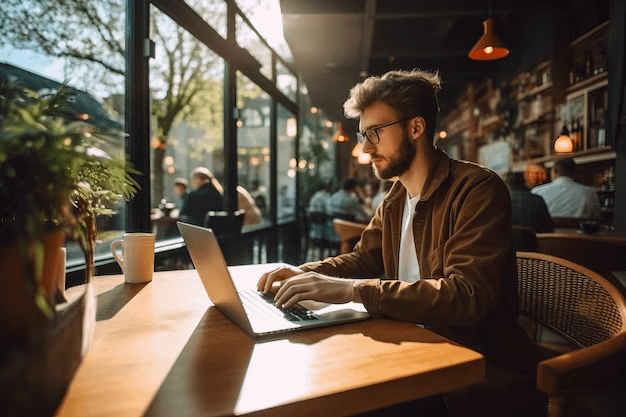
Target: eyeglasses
372, 134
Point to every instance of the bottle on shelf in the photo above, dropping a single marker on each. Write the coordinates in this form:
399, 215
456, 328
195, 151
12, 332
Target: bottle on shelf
589, 64
601, 129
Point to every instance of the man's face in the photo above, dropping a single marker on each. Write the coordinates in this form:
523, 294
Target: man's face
395, 151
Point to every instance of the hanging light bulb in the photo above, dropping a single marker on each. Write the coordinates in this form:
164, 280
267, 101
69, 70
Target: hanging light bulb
489, 46
563, 144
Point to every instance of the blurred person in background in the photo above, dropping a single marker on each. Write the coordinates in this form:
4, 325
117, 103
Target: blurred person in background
566, 197
527, 209
180, 188
204, 197
346, 204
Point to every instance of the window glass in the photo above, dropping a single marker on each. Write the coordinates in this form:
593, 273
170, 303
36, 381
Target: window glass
187, 136
286, 161
317, 149
62, 49
286, 81
266, 18
249, 40
253, 143
213, 12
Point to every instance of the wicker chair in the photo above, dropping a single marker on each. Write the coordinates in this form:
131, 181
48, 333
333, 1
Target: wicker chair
586, 318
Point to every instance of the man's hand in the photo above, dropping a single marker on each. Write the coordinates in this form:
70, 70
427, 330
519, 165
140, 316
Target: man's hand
268, 279
314, 286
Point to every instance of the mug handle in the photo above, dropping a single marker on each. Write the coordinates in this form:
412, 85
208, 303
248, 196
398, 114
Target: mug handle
114, 246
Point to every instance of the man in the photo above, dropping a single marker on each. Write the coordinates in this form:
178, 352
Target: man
205, 197
527, 209
345, 203
567, 198
441, 237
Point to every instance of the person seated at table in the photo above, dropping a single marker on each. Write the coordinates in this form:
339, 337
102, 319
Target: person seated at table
527, 209
566, 197
180, 188
246, 202
438, 251
317, 205
346, 204
206, 195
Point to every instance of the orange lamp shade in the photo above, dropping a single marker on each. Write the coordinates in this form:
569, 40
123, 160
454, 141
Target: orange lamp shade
489, 46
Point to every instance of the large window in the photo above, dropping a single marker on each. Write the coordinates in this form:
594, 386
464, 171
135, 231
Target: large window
189, 84
286, 157
253, 144
60, 46
187, 95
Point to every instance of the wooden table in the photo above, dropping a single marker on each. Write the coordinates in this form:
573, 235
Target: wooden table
603, 235
161, 348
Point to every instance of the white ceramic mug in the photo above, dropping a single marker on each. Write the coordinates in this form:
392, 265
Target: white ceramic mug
137, 256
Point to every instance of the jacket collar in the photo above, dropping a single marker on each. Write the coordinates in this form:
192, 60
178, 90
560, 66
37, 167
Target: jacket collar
438, 172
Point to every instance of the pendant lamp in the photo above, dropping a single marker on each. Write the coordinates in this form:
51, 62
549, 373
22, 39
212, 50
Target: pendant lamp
563, 144
489, 46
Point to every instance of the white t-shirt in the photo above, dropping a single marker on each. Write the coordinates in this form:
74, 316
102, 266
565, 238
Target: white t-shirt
408, 264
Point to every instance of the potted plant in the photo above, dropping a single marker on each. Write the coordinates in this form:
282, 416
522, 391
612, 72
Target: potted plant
54, 181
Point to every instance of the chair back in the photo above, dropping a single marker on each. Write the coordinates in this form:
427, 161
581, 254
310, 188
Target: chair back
224, 223
596, 252
524, 238
317, 235
574, 302
316, 217
349, 233
584, 310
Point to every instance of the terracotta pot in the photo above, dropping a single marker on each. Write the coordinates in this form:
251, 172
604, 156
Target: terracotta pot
20, 318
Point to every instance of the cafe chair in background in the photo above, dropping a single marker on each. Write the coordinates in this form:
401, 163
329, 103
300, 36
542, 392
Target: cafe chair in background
579, 319
227, 228
316, 235
349, 233
598, 253
524, 238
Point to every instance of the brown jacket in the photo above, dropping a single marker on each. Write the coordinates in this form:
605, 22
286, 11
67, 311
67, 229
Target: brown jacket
463, 240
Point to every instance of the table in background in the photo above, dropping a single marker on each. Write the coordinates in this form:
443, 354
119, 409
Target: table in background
603, 252
161, 349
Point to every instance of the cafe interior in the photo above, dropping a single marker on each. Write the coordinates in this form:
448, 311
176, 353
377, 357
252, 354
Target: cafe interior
524, 84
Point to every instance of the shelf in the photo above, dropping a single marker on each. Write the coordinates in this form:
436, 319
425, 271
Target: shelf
534, 91
589, 82
581, 157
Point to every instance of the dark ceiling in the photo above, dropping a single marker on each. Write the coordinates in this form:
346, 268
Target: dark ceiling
337, 42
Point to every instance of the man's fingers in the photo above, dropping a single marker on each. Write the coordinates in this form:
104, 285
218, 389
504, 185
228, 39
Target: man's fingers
291, 295
269, 278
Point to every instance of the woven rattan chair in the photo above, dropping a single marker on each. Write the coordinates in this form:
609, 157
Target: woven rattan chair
586, 318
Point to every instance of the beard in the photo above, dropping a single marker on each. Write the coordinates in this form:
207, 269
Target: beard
399, 162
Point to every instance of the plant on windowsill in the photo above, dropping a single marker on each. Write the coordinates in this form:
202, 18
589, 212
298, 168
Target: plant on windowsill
54, 181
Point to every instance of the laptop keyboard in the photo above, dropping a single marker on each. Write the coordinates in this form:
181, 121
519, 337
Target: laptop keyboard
265, 302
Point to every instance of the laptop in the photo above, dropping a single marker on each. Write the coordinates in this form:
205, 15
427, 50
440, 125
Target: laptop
253, 311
